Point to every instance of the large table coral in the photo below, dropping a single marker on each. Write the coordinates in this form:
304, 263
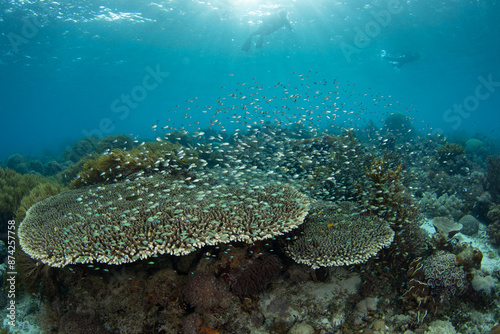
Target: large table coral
136, 219
339, 235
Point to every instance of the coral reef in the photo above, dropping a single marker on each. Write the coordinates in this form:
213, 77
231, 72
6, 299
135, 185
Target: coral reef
493, 231
120, 298
250, 276
450, 150
493, 228
475, 147
398, 126
363, 307
493, 177
204, 291
470, 225
108, 143
452, 159
70, 172
163, 289
383, 195
35, 276
87, 149
435, 281
35, 167
17, 163
444, 206
446, 226
468, 188
191, 324
180, 138
441, 327
39, 193
151, 157
75, 322
81, 148
482, 206
13, 187
198, 232
469, 258
486, 284
301, 328
52, 168
379, 191
320, 167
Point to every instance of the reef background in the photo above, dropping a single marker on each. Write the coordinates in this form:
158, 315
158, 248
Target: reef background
64, 65
104, 94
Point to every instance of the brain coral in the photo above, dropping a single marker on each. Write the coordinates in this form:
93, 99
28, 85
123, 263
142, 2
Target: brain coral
435, 280
138, 218
336, 235
444, 276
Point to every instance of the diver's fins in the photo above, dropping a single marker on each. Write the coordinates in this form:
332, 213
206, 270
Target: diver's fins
246, 45
260, 41
396, 65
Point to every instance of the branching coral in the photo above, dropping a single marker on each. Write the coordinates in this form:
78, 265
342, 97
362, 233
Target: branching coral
443, 206
384, 196
324, 167
450, 151
452, 159
379, 194
321, 167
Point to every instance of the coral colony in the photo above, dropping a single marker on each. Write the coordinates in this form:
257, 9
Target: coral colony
291, 212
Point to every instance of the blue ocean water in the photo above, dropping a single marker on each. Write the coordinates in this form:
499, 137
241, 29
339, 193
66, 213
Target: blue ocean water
66, 65
73, 69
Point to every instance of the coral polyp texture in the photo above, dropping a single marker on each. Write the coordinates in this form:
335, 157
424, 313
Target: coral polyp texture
435, 280
338, 235
135, 219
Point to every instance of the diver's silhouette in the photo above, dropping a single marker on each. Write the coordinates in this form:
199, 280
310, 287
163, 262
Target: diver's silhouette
399, 59
269, 24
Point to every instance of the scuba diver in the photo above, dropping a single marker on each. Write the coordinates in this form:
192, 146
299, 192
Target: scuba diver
399, 59
269, 24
